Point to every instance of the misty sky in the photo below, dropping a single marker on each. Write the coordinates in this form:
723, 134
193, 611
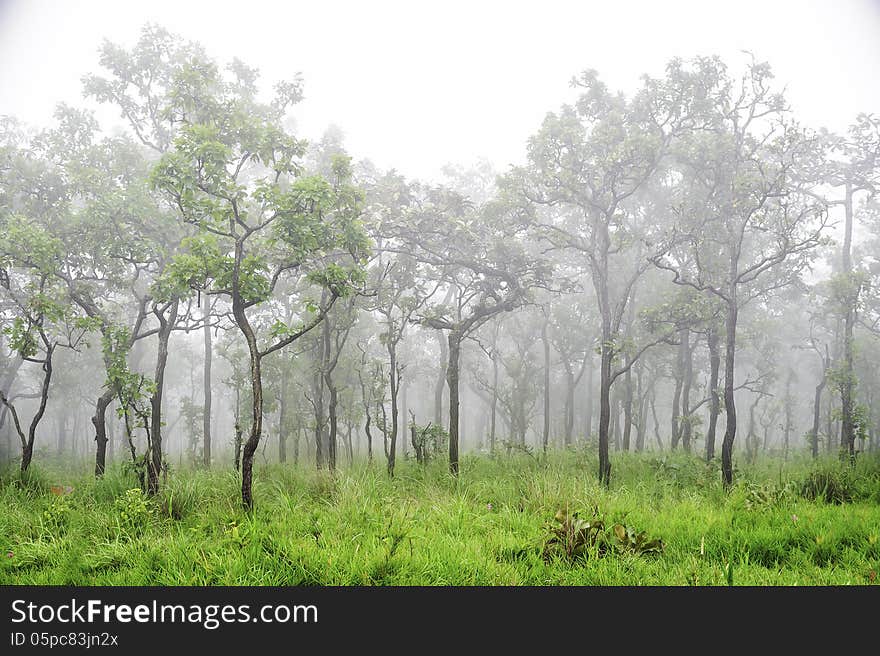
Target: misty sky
415, 85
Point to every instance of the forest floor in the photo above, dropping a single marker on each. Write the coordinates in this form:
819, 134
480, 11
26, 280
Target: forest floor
665, 520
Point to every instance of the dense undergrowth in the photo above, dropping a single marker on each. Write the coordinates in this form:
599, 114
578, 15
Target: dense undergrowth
501, 523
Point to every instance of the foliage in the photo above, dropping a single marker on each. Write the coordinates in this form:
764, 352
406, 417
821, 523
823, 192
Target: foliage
132, 513
574, 538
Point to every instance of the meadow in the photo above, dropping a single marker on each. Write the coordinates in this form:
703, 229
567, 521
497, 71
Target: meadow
517, 519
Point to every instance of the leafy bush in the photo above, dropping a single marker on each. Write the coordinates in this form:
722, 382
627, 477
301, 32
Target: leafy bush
133, 512
573, 538
54, 518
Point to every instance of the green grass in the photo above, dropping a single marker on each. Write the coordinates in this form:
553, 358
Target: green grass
426, 528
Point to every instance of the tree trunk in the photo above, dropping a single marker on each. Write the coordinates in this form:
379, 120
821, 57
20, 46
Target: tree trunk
494, 406
369, 437
27, 451
100, 424
676, 397
729, 402
642, 396
569, 405
656, 421
282, 418
788, 417
714, 400
154, 467
206, 414
604, 412
403, 410
318, 393
545, 436
847, 378
253, 441
615, 420
588, 401
685, 421
441, 381
394, 382
332, 401
627, 408
452, 381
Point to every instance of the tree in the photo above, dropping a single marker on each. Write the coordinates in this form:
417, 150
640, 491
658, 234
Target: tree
234, 174
484, 267
855, 166
746, 222
40, 316
591, 165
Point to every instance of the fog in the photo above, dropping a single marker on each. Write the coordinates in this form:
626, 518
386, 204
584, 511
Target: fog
508, 228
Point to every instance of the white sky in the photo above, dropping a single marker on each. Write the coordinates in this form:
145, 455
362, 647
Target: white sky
417, 84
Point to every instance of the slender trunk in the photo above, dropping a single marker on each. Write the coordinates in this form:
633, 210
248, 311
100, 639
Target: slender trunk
256, 431
494, 406
27, 450
154, 467
814, 431
569, 405
685, 422
100, 423
282, 418
452, 381
545, 436
615, 420
206, 414
441, 381
656, 421
110, 454
403, 410
829, 424
318, 392
588, 401
729, 402
676, 397
604, 412
847, 384
369, 437
642, 396
788, 417
332, 401
714, 400
751, 437
394, 382
253, 441
627, 408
